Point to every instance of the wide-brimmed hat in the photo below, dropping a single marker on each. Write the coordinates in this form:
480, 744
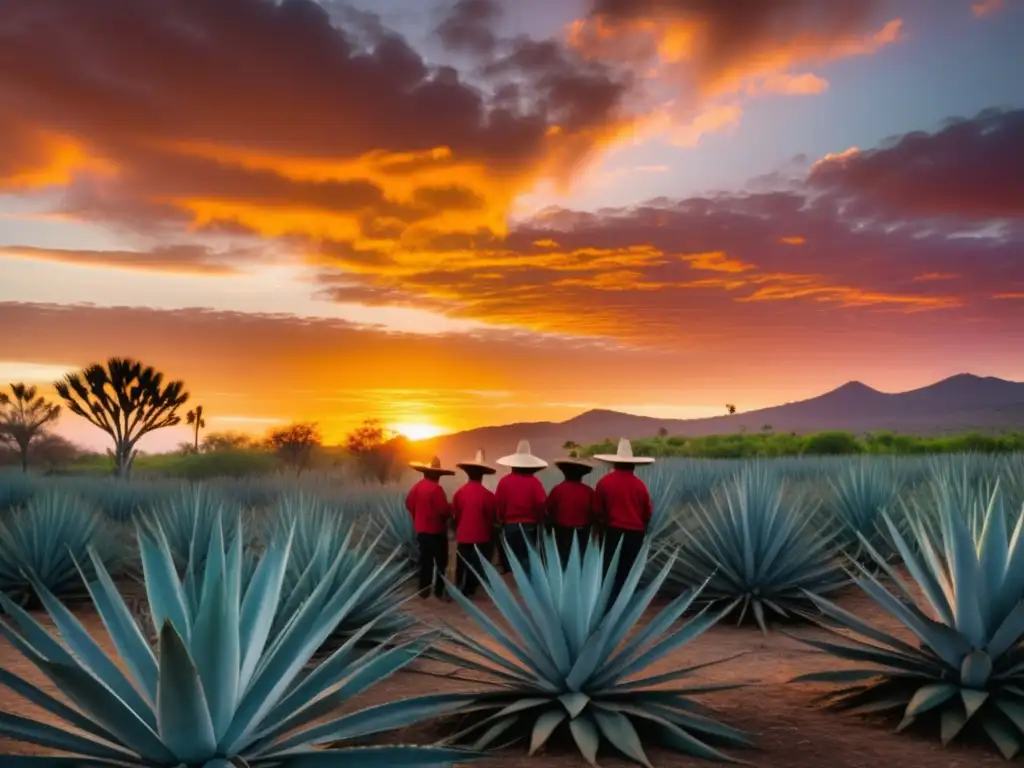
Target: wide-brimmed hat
624, 455
573, 460
434, 467
477, 463
522, 458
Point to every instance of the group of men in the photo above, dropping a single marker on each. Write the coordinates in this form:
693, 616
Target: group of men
618, 507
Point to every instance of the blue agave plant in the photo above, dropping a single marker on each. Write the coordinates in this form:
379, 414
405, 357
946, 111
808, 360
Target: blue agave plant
758, 548
217, 691
189, 516
570, 660
40, 543
16, 489
397, 526
968, 664
860, 492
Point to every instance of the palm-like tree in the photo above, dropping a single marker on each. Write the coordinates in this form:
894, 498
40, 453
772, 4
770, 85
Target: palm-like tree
126, 400
23, 415
195, 418
730, 408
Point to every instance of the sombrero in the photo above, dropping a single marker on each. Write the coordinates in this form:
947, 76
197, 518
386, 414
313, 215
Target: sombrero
477, 463
574, 460
522, 458
624, 455
434, 466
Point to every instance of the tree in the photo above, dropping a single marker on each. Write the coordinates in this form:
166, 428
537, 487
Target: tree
52, 452
730, 408
227, 441
126, 400
570, 445
23, 417
195, 418
662, 432
295, 444
378, 455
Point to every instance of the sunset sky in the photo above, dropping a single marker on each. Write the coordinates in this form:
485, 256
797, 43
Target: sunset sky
451, 214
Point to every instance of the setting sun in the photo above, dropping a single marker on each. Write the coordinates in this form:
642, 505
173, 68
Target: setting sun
416, 431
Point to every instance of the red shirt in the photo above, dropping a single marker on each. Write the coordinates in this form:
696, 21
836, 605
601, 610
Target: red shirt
571, 504
521, 499
428, 505
475, 511
623, 501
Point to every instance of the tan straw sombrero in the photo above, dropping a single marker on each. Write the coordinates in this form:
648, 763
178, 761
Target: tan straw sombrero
434, 466
624, 455
574, 460
522, 458
477, 463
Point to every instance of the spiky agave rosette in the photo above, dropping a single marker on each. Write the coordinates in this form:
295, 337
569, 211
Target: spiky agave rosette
968, 666
217, 691
758, 549
563, 660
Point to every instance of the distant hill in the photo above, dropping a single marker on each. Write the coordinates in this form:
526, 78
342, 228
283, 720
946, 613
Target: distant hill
957, 404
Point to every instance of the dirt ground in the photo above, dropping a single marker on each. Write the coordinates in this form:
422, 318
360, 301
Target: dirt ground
787, 729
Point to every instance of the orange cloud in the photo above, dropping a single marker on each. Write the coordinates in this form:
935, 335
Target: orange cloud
930, 276
984, 8
182, 259
716, 261
806, 84
793, 240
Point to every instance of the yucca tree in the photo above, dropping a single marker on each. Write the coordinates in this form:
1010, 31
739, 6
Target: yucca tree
126, 400
759, 549
569, 659
216, 692
23, 416
968, 664
194, 418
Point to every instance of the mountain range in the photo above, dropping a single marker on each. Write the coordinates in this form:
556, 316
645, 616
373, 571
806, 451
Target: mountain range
957, 404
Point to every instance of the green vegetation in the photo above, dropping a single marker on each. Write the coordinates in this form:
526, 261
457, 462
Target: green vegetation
565, 662
773, 444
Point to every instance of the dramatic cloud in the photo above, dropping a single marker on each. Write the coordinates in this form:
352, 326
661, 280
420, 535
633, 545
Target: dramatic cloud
984, 8
270, 117
970, 169
186, 259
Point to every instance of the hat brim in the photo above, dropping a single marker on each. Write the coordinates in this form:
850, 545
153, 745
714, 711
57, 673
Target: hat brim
612, 458
578, 463
425, 468
521, 461
487, 469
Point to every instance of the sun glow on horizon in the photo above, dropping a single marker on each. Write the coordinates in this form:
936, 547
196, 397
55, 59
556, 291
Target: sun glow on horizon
416, 430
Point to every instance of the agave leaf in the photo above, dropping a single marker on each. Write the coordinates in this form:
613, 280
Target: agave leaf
544, 726
574, 702
586, 736
385, 756
929, 697
617, 728
44, 735
166, 598
182, 710
217, 648
259, 606
55, 707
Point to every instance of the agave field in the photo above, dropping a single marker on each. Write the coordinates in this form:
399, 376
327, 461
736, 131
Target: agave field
791, 612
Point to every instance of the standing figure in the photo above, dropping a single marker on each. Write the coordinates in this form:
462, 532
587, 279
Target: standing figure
475, 510
521, 501
571, 506
624, 506
428, 505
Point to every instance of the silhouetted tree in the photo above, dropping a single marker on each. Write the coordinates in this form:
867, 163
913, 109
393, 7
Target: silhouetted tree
126, 400
378, 454
53, 452
23, 415
730, 408
662, 432
570, 445
227, 441
295, 444
195, 418
766, 428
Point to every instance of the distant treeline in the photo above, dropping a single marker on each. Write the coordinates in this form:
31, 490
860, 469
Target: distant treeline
769, 443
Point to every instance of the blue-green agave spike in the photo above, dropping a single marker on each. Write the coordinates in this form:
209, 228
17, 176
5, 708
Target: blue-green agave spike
568, 660
217, 691
967, 666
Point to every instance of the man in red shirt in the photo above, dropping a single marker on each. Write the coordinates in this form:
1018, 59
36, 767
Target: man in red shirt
428, 505
571, 505
475, 511
624, 506
521, 501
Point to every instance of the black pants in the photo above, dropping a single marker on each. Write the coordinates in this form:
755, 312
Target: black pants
632, 541
470, 558
433, 555
564, 537
517, 535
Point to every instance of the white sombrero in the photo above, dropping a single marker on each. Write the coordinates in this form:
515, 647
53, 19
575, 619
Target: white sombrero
434, 466
477, 463
624, 455
522, 458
